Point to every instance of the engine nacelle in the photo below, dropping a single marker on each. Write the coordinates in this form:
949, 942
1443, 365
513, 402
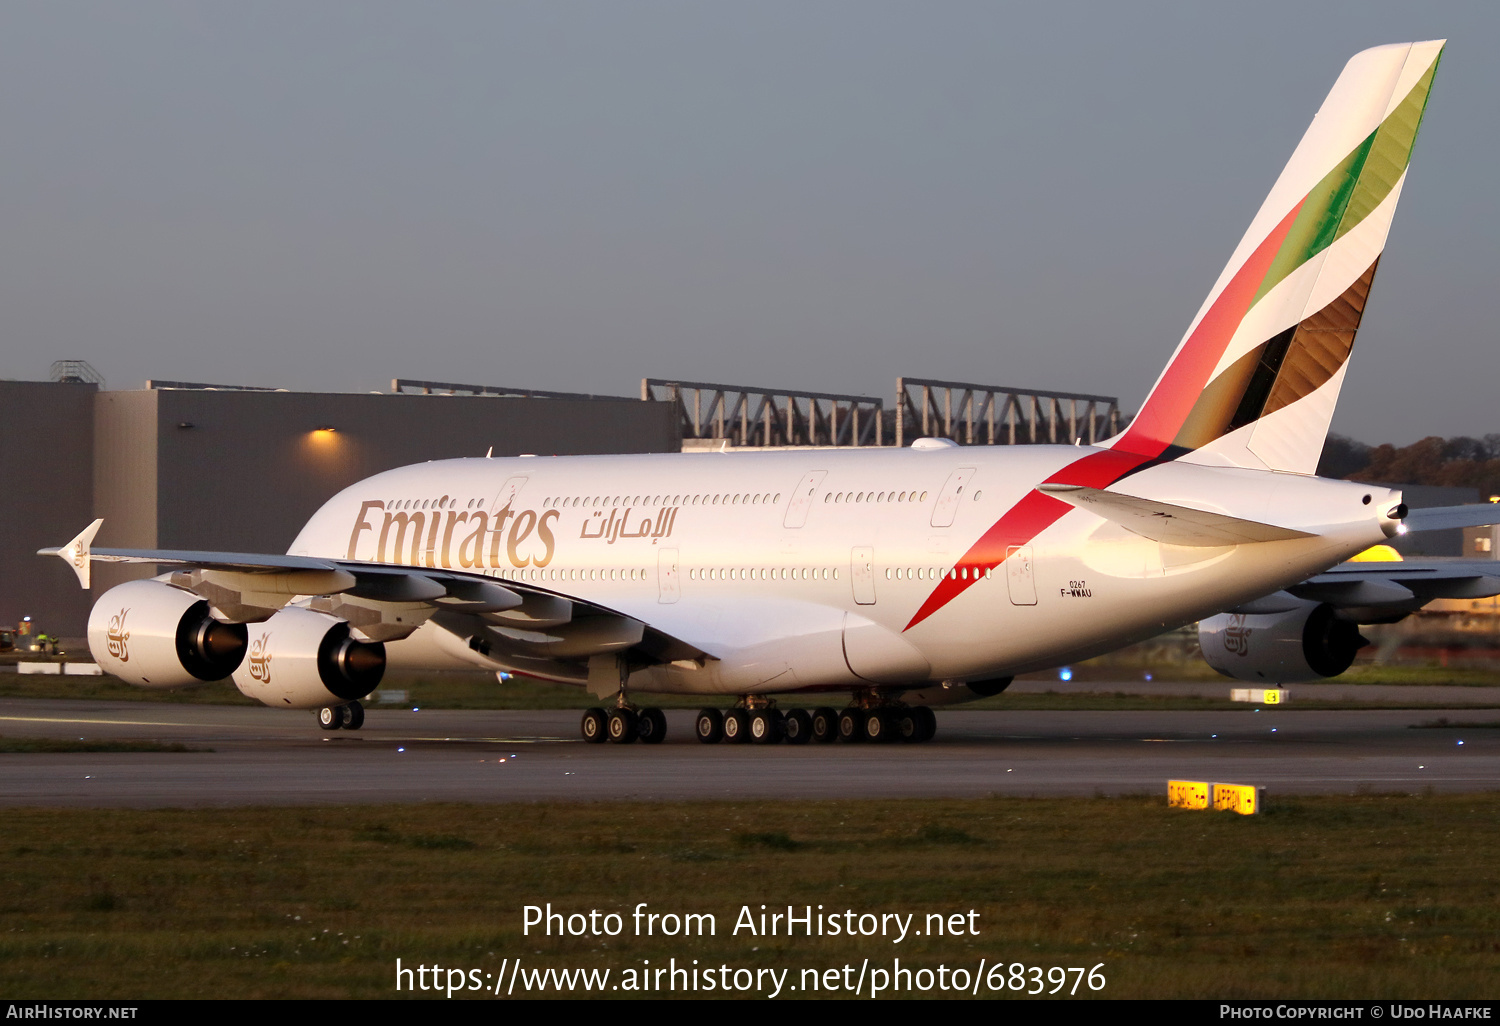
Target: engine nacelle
1307, 642
954, 692
300, 659
157, 636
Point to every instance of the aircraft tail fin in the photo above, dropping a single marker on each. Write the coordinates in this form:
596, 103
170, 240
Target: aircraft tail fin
1256, 377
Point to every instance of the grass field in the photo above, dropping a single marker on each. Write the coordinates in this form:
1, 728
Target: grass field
1361, 897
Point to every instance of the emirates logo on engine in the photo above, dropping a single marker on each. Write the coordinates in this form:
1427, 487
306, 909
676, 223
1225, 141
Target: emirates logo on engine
117, 637
260, 659
1237, 635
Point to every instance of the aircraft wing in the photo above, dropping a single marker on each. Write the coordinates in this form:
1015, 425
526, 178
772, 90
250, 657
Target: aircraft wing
1426, 579
1372, 592
1443, 518
515, 625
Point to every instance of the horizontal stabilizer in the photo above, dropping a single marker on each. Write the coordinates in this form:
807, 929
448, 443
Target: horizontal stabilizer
1445, 518
1166, 522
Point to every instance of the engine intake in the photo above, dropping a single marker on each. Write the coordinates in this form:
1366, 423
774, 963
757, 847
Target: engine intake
1304, 643
154, 635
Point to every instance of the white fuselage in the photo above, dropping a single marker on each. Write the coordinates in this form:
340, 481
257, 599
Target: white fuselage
817, 569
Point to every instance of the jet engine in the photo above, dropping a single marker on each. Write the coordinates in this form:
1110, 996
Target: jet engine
1304, 642
301, 659
157, 636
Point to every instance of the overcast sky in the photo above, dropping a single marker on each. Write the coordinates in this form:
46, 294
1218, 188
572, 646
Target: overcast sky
801, 195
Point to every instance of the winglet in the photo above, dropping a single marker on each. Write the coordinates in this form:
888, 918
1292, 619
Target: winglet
76, 552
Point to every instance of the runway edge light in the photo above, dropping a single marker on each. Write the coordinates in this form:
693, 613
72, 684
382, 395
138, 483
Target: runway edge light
1187, 794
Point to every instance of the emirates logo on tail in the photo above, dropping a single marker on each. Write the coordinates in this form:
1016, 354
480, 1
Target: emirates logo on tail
117, 637
260, 659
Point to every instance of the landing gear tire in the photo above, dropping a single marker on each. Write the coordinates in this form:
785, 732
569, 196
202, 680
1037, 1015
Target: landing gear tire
928, 721
352, 716
651, 726
709, 726
594, 726
880, 726
852, 726
331, 717
908, 726
622, 726
798, 727
737, 727
765, 727
825, 726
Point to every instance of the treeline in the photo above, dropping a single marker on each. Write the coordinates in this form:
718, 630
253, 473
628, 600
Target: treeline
1459, 462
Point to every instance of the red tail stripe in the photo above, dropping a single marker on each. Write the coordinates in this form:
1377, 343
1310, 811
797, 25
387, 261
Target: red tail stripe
1023, 522
1170, 402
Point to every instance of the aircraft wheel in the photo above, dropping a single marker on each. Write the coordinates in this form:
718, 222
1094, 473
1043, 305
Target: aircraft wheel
622, 726
909, 725
651, 726
765, 727
825, 725
593, 727
353, 716
852, 726
331, 717
737, 727
880, 726
928, 722
709, 726
798, 727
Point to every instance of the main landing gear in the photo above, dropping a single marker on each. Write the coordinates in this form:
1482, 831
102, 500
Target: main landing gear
767, 725
624, 724
346, 717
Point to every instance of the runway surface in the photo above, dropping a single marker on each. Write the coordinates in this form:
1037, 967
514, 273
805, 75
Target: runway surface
266, 756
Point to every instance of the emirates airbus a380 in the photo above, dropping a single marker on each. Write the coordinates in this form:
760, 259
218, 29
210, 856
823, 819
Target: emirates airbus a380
903, 578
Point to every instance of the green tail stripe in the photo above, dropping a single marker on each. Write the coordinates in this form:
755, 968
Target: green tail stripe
1355, 187
1391, 153
1318, 222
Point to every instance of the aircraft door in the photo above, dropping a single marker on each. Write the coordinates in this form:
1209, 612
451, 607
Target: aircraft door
802, 498
949, 498
862, 574
669, 587
1019, 575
